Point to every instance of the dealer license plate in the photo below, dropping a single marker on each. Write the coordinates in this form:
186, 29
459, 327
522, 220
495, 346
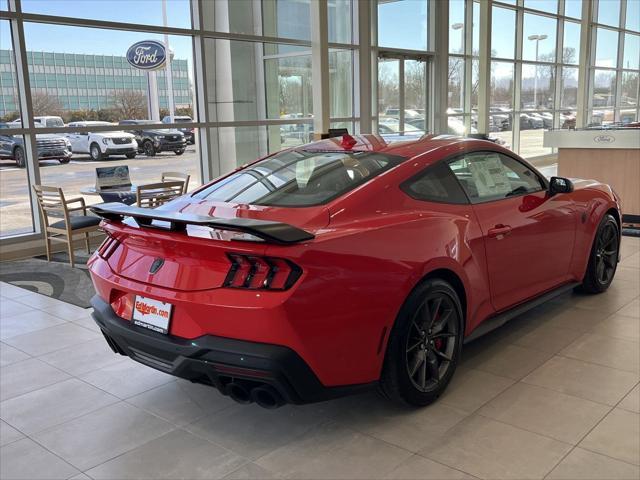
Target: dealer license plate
152, 314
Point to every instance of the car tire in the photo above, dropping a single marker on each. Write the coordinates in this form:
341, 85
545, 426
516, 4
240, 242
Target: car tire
179, 152
95, 153
130, 155
18, 155
148, 148
603, 260
425, 343
64, 160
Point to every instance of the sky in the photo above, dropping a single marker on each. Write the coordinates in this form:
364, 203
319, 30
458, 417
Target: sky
42, 37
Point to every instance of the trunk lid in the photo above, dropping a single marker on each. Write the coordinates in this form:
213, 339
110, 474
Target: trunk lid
197, 258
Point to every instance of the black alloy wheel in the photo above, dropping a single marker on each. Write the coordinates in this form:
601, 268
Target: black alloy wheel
603, 260
149, 149
18, 155
431, 341
424, 345
607, 254
179, 152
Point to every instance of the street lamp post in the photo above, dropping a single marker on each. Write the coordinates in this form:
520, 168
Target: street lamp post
537, 39
168, 71
460, 26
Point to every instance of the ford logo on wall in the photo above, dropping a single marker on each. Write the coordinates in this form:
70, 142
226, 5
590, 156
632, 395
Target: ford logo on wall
147, 55
604, 139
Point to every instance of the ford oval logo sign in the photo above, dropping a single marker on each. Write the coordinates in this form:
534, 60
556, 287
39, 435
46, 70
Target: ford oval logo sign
604, 139
147, 55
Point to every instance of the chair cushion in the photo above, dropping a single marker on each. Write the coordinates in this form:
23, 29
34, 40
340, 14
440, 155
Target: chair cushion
78, 221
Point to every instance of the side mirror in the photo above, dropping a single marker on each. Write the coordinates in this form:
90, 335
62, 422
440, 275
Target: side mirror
560, 185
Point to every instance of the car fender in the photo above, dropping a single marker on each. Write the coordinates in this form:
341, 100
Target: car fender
98, 139
593, 200
433, 265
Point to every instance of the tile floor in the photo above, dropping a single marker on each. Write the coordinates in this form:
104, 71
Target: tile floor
553, 394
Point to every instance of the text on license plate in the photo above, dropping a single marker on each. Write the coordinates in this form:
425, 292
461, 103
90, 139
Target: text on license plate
152, 314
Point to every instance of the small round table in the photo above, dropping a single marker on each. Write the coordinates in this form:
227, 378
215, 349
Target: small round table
129, 195
125, 195
93, 191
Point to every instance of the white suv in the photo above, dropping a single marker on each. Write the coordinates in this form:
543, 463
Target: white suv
102, 144
45, 121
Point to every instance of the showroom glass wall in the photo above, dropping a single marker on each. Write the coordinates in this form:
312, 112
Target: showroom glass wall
613, 78
536, 62
242, 71
531, 88
404, 55
254, 77
75, 70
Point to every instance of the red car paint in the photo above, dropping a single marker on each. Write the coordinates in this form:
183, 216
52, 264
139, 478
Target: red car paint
371, 247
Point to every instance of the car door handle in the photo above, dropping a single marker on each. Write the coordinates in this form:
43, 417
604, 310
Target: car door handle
499, 231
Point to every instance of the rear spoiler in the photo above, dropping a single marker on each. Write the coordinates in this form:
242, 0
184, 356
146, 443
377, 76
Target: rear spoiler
269, 231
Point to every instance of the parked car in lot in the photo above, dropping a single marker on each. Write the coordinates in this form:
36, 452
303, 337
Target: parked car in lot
529, 122
391, 126
501, 118
152, 141
100, 145
41, 121
300, 132
546, 117
383, 257
50, 147
187, 131
568, 120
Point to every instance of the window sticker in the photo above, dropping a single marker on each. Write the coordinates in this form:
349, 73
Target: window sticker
490, 176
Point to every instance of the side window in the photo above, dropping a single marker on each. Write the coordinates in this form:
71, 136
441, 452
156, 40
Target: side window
487, 176
435, 184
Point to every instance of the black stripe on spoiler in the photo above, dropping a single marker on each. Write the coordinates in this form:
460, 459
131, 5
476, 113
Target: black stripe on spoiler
270, 231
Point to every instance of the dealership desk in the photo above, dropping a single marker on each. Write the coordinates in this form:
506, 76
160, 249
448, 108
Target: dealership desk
609, 156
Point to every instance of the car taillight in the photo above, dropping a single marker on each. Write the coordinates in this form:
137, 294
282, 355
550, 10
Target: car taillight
122, 304
108, 247
261, 273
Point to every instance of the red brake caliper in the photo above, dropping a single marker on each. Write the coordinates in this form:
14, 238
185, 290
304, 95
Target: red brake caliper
438, 341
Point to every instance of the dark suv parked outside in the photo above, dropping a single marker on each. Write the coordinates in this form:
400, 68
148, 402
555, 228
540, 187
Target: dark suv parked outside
152, 141
50, 147
188, 132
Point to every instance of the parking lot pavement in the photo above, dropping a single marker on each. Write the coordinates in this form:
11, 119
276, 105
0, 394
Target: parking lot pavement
15, 212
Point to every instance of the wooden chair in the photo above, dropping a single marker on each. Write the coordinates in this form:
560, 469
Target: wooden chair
155, 194
63, 226
173, 176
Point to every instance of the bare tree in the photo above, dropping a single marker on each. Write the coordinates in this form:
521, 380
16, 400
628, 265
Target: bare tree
45, 104
128, 104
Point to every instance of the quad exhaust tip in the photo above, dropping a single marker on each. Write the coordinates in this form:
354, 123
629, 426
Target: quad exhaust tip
264, 395
267, 397
238, 393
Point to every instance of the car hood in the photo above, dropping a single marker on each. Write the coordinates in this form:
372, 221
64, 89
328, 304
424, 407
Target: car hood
49, 136
307, 218
172, 131
116, 134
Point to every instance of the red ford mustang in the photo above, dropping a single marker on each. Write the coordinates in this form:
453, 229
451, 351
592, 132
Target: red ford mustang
345, 264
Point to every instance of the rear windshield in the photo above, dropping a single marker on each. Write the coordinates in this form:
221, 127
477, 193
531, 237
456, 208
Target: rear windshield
299, 178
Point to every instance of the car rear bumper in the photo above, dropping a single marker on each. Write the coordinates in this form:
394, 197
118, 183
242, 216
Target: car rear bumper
217, 361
